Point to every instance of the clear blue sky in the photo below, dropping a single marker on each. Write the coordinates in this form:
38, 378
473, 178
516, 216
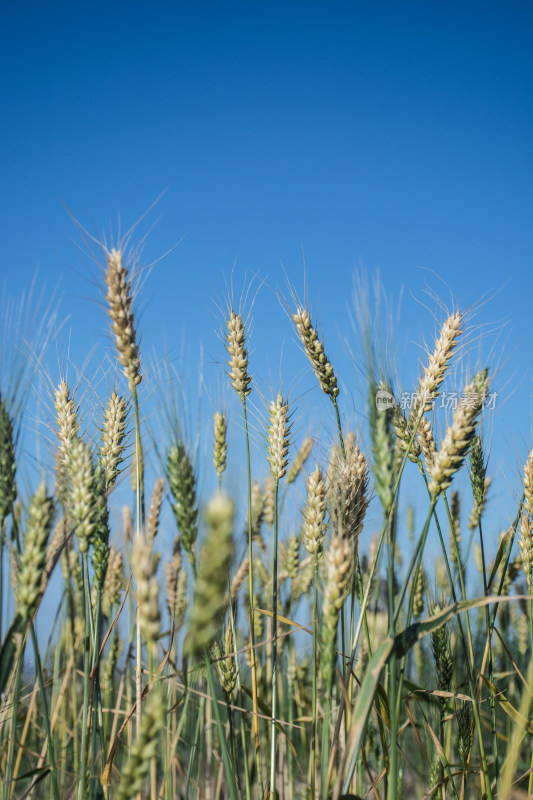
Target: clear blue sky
389, 136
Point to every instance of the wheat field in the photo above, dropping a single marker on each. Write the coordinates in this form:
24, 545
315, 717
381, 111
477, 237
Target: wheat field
287, 645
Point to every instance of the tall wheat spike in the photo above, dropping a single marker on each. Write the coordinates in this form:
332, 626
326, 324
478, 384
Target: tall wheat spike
120, 309
459, 435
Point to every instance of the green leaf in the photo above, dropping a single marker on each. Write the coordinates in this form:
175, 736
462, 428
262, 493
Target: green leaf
499, 556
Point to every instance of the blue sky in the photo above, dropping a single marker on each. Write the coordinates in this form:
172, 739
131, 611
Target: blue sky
390, 137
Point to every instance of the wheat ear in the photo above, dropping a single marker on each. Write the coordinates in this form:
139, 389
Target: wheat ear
113, 435
8, 491
314, 350
299, 462
435, 371
238, 355
314, 515
459, 435
210, 595
182, 484
220, 447
33, 556
147, 594
152, 523
120, 309
81, 499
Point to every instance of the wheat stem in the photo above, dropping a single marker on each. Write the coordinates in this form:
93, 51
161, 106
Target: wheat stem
274, 692
255, 720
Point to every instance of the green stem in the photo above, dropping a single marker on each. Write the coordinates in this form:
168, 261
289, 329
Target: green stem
492, 701
139, 474
274, 643
469, 666
419, 549
255, 720
86, 669
530, 787
239, 690
394, 687
139, 461
98, 716
386, 523
392, 771
46, 715
230, 776
339, 425
325, 747
315, 682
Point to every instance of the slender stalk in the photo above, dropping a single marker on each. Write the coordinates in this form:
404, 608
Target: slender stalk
419, 549
315, 667
288, 695
82, 787
492, 701
324, 778
255, 720
339, 425
469, 666
46, 715
394, 686
98, 717
274, 643
239, 690
230, 775
139, 467
530, 785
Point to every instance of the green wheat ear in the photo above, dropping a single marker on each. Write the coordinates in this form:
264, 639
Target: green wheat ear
33, 556
8, 491
210, 593
478, 470
440, 643
182, 482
